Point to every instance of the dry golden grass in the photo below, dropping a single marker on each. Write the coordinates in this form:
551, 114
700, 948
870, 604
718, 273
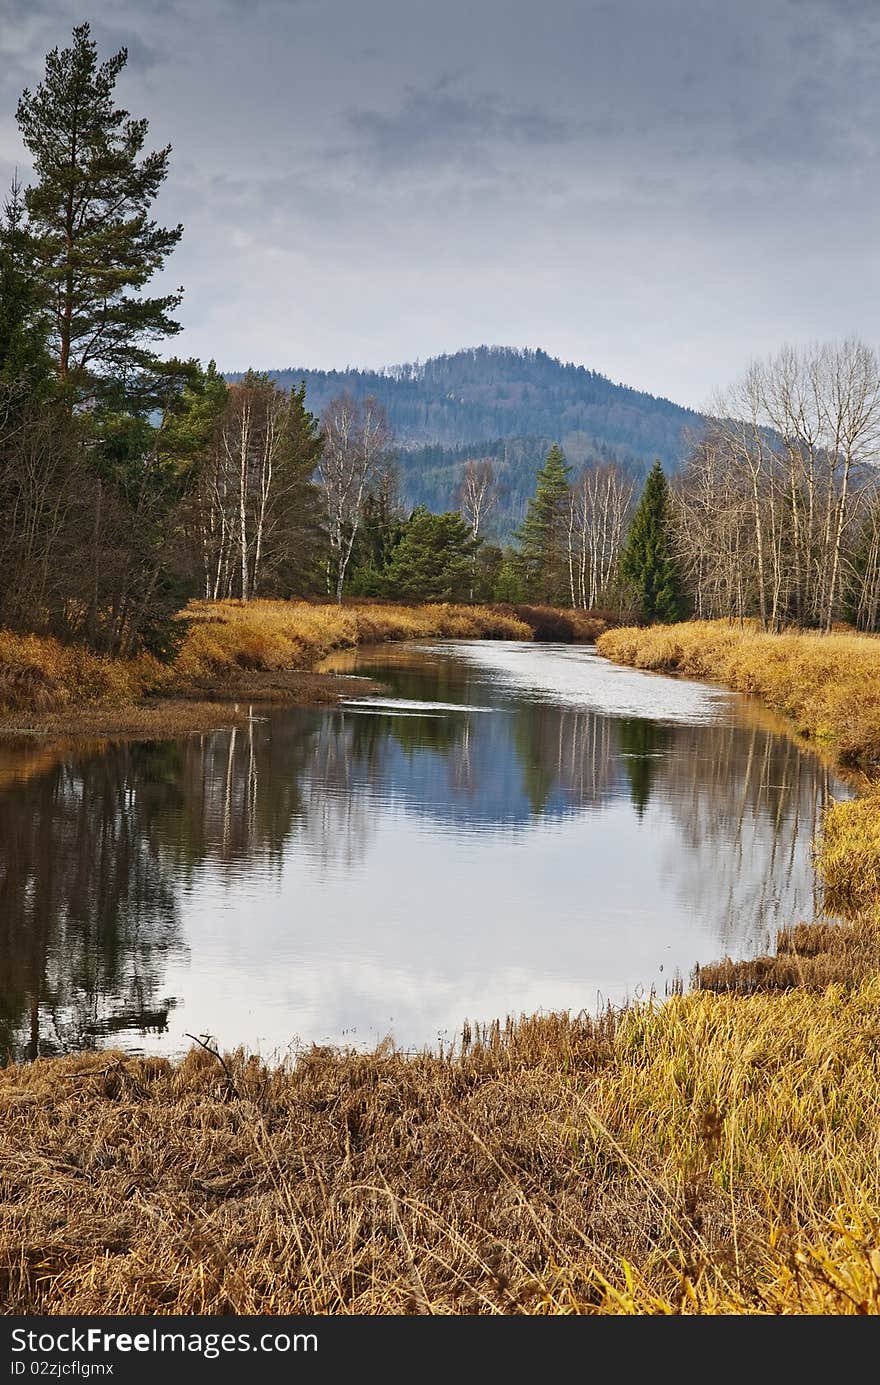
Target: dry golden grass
39, 674
717, 1154
227, 635
809, 956
828, 686
849, 853
226, 648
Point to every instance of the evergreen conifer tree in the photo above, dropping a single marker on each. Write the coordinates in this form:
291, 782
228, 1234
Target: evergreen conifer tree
647, 562
432, 561
89, 216
543, 534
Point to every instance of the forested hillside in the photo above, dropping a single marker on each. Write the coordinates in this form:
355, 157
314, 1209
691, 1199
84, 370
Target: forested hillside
509, 405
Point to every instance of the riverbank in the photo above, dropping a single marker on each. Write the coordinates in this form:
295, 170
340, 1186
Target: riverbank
229, 653
826, 686
828, 689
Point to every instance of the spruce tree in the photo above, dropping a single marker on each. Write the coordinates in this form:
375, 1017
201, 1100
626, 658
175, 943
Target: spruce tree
647, 561
543, 534
381, 528
89, 216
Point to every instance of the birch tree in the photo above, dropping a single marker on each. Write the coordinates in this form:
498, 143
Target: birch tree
477, 494
600, 506
355, 442
776, 506
254, 501
477, 497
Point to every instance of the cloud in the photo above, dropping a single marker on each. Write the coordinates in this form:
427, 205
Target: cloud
444, 124
143, 54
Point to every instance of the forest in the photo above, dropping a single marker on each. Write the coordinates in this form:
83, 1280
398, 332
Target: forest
132, 480
490, 392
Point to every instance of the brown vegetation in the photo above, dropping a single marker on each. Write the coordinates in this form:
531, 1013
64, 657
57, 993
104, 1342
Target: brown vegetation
230, 651
227, 636
849, 855
551, 623
711, 1155
809, 956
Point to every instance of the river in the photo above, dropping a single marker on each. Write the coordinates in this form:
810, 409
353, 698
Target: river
515, 827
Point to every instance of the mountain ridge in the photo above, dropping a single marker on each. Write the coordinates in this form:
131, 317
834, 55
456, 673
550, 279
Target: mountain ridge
507, 403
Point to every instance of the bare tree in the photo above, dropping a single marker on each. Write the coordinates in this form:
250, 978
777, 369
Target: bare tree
356, 440
477, 498
712, 519
45, 506
257, 471
601, 501
863, 562
741, 429
477, 494
774, 492
852, 424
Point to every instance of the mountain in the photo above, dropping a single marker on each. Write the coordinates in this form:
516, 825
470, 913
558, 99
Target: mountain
508, 404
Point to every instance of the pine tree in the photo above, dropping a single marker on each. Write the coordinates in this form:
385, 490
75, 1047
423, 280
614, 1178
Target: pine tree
543, 535
508, 579
433, 560
647, 562
89, 216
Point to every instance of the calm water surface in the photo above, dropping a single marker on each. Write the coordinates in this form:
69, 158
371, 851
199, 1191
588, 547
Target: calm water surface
513, 828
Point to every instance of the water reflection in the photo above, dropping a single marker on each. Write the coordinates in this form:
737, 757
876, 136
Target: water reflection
88, 907
332, 874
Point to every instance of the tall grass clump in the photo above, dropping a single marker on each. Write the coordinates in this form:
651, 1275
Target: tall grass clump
38, 673
808, 956
716, 1154
848, 854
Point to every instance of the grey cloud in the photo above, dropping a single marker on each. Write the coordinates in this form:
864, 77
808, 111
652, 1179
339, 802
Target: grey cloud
142, 54
443, 122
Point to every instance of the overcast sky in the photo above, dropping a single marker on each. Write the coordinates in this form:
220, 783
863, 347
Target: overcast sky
658, 189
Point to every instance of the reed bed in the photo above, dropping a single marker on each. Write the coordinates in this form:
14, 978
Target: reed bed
716, 1154
228, 635
809, 956
40, 674
848, 854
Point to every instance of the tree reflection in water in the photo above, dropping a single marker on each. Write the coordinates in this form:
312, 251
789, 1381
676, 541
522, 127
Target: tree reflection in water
88, 907
99, 845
